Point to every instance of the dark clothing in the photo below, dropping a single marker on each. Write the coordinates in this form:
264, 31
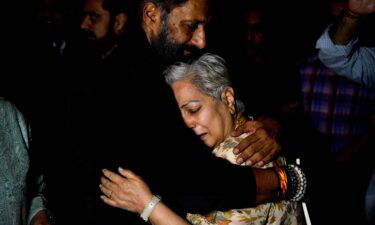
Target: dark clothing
124, 114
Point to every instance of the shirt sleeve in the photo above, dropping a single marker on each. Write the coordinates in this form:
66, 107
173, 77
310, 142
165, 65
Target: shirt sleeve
355, 63
205, 183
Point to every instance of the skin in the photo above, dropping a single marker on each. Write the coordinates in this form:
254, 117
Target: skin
186, 25
211, 120
100, 28
128, 191
261, 147
255, 36
96, 20
343, 31
205, 115
40, 218
362, 7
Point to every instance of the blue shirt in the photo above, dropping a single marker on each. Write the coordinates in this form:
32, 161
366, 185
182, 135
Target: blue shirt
355, 63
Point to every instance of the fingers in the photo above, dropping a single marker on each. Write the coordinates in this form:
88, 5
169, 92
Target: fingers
245, 143
127, 173
108, 183
249, 150
113, 177
273, 152
109, 201
248, 127
257, 149
264, 153
108, 192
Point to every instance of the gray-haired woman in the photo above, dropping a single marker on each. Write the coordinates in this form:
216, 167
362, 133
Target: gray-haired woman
208, 106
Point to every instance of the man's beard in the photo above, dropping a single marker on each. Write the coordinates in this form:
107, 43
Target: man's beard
170, 50
91, 45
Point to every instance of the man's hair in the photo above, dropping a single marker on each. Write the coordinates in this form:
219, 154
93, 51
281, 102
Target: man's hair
166, 6
116, 7
208, 73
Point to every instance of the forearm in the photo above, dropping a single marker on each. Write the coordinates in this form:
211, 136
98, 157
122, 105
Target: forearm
162, 215
205, 183
267, 185
343, 31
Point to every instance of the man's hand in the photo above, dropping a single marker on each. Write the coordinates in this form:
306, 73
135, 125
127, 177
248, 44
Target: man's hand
41, 218
362, 7
259, 148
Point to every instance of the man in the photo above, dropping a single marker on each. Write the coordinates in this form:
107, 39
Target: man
156, 142
96, 60
338, 46
102, 25
339, 50
341, 113
175, 30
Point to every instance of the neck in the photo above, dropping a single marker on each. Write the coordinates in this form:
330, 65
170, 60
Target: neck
239, 120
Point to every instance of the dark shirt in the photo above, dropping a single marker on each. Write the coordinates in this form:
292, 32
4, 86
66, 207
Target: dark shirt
124, 114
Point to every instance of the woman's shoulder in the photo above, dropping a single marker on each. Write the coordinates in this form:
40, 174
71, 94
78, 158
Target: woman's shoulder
225, 149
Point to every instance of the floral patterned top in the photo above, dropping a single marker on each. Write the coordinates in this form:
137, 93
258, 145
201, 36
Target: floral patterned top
282, 212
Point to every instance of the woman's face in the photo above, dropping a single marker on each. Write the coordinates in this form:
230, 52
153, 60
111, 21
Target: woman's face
210, 120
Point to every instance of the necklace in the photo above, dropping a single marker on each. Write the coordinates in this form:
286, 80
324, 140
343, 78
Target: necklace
240, 120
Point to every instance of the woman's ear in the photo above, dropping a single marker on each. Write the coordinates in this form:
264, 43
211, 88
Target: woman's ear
151, 18
120, 22
227, 97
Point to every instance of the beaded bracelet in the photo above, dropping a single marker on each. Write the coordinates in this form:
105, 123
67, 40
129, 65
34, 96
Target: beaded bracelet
292, 182
301, 184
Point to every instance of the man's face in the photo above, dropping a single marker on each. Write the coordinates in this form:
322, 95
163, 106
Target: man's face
96, 23
255, 32
182, 31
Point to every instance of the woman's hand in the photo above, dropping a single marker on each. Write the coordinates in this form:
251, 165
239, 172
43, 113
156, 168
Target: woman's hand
125, 190
259, 148
41, 218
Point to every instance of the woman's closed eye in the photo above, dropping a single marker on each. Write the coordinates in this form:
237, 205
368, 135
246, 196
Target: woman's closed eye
193, 110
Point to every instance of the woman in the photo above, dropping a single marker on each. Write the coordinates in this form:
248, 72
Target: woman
208, 106
14, 166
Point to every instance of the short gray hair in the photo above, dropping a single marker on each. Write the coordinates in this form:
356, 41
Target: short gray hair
208, 73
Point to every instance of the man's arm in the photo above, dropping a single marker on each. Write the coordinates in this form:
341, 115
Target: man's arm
337, 45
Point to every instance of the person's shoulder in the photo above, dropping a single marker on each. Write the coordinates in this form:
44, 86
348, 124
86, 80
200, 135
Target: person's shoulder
6, 106
9, 112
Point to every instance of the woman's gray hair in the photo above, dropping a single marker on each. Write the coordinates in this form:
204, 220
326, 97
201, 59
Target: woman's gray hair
208, 73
